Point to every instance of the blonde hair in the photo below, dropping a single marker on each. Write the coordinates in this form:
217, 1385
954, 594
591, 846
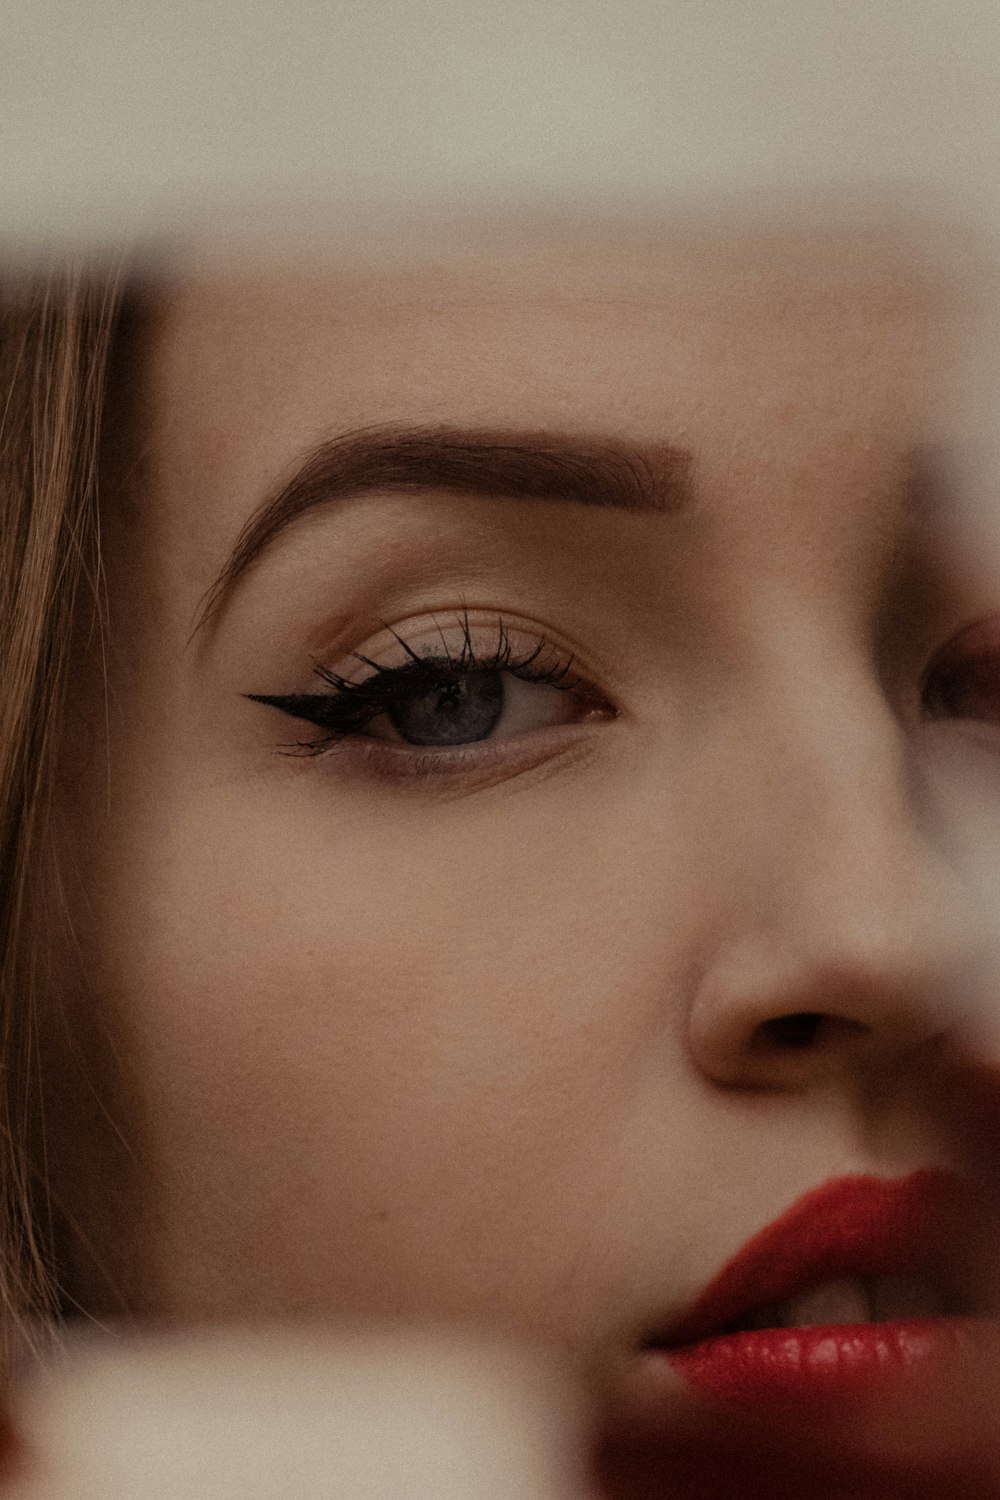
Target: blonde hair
56, 331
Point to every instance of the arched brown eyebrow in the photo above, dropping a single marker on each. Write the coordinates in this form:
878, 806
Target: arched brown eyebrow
528, 466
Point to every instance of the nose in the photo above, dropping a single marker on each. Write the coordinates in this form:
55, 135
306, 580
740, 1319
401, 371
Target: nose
844, 930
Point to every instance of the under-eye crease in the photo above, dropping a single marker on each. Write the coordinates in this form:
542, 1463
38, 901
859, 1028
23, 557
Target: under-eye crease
441, 703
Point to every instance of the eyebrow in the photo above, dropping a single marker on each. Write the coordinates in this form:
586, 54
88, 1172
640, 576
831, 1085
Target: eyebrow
523, 466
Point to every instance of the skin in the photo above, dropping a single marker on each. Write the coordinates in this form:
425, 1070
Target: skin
495, 1046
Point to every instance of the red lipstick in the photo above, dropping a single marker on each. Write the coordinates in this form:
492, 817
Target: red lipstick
853, 1229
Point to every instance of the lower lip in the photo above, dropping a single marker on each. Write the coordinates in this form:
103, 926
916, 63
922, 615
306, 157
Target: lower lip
852, 1412
772, 1366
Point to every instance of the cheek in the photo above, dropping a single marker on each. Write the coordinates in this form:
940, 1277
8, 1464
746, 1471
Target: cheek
387, 1057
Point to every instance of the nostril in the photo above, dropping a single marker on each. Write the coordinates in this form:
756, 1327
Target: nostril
804, 1029
799, 1030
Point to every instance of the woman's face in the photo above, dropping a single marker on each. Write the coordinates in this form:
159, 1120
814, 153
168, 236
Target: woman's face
468, 994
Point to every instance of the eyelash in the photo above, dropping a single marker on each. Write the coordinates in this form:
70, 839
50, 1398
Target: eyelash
351, 706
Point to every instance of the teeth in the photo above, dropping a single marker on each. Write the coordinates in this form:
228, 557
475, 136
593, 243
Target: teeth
843, 1301
854, 1299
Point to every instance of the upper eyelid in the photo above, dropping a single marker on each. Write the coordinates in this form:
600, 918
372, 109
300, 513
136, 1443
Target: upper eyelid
346, 688
501, 659
497, 629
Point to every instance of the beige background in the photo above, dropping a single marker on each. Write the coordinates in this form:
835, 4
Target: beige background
147, 115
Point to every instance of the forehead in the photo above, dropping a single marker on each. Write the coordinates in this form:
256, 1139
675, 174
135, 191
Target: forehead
804, 354
605, 316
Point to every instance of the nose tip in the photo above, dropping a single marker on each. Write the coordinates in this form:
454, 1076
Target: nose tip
776, 1015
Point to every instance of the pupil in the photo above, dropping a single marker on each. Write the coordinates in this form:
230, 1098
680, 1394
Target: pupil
456, 712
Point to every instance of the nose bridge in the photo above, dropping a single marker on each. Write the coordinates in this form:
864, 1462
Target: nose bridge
833, 771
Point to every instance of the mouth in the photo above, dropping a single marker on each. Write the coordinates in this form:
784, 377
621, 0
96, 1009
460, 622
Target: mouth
863, 1282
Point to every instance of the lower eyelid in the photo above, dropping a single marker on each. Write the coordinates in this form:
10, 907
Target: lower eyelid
470, 765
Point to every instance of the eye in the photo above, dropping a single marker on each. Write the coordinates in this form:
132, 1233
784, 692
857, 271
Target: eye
462, 708
443, 699
963, 680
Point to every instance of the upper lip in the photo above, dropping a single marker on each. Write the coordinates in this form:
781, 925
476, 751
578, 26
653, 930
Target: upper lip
851, 1226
